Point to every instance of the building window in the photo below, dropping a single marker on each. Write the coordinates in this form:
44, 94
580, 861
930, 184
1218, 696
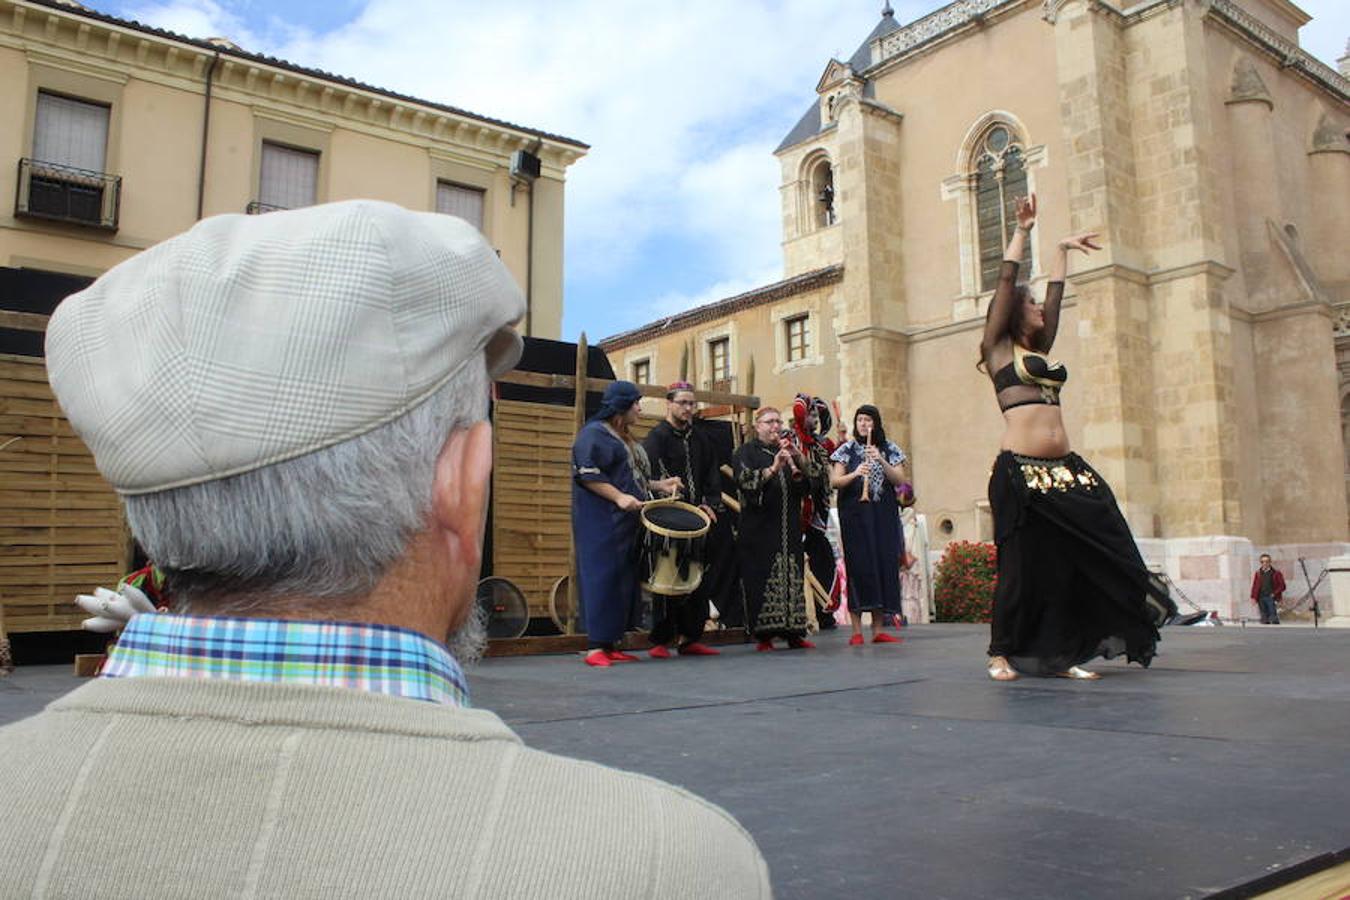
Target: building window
464, 202
719, 363
1000, 181
70, 132
642, 371
64, 180
798, 338
288, 178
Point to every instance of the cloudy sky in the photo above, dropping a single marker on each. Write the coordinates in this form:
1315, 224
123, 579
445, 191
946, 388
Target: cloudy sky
682, 103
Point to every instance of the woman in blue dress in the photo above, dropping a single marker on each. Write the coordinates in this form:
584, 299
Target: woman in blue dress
870, 466
610, 479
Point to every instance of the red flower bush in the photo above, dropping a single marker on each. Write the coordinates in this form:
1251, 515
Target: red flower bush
965, 581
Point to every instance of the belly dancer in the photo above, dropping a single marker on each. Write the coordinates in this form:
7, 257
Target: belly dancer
1071, 583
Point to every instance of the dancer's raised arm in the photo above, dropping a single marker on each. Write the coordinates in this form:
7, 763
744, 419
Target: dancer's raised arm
1001, 307
1054, 291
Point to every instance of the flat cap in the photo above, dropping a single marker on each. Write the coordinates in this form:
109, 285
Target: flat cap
249, 340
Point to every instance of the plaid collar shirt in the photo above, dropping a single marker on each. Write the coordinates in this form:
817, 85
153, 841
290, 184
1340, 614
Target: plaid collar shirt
381, 659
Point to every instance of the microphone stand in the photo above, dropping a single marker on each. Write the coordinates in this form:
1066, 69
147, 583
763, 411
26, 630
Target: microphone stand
1312, 589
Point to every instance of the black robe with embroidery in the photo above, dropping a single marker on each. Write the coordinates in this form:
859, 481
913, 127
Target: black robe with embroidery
770, 544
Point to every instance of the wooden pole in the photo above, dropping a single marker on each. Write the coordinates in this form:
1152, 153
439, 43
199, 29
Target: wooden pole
578, 420
750, 389
596, 385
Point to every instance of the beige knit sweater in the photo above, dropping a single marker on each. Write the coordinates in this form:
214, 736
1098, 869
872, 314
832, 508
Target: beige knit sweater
155, 787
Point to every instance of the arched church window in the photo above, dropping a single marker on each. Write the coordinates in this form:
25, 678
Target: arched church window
1000, 177
820, 188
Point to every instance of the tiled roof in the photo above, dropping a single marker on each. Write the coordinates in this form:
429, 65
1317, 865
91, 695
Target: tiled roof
807, 127
226, 49
788, 287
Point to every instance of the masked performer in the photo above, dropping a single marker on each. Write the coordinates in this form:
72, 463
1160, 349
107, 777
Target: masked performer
1071, 583
610, 479
811, 423
676, 448
773, 477
866, 472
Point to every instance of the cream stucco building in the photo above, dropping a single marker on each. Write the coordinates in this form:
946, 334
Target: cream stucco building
1212, 154
123, 135
116, 136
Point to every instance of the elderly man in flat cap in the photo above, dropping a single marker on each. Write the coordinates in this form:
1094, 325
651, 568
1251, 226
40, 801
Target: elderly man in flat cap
314, 489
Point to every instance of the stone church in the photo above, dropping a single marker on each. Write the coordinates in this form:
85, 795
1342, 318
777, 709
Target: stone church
1206, 377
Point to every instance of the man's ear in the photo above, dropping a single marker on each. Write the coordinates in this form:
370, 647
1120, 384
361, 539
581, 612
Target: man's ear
459, 493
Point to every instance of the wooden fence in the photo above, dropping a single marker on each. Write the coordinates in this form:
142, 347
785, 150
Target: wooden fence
61, 526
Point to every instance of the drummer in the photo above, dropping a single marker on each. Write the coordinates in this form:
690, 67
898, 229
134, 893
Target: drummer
676, 448
610, 479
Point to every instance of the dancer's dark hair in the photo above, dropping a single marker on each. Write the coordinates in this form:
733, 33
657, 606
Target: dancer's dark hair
1021, 294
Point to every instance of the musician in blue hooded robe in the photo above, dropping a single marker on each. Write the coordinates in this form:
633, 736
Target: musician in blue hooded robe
611, 477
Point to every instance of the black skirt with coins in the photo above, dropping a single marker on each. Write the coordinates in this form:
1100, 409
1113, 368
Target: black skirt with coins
1071, 583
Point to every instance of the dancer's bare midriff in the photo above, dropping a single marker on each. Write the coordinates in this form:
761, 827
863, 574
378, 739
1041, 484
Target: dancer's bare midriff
1035, 430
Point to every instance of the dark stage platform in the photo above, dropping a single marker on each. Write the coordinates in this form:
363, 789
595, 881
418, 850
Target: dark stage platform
888, 771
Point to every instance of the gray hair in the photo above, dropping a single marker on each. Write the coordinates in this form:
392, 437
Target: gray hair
324, 525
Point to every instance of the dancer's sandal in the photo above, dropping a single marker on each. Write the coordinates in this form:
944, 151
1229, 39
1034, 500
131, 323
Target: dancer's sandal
1001, 670
1079, 674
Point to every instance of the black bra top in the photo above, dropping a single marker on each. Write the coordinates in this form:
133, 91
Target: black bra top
1034, 370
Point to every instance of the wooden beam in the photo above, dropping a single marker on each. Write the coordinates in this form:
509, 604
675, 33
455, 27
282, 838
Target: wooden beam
579, 380
569, 382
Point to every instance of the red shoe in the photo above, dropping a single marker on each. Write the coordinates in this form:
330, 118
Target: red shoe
696, 648
855, 641
764, 645
797, 643
620, 656
660, 651
882, 637
598, 658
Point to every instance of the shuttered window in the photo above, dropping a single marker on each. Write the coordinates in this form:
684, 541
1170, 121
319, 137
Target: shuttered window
798, 338
719, 357
464, 202
288, 178
642, 371
70, 132
1000, 181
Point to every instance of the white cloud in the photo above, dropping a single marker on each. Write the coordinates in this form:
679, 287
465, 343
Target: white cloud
672, 302
682, 103
1327, 34
195, 18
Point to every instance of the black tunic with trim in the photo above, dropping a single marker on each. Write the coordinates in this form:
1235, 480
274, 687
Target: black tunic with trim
770, 543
